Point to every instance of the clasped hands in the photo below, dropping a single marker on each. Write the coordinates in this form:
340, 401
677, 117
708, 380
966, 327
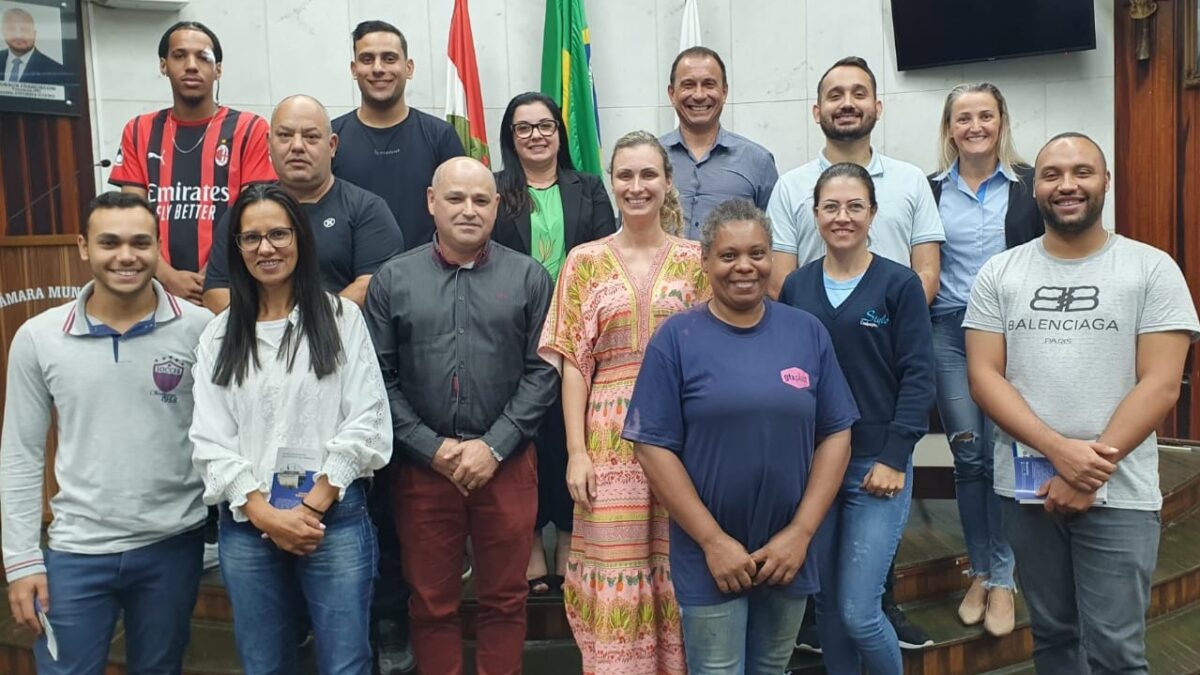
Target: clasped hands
297, 530
776, 563
1082, 467
467, 464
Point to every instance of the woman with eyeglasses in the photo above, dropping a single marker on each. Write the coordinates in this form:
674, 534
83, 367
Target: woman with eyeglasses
875, 312
291, 420
547, 208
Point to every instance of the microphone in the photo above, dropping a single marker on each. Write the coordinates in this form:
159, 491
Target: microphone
104, 164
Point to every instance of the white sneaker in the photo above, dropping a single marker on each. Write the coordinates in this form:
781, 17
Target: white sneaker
211, 557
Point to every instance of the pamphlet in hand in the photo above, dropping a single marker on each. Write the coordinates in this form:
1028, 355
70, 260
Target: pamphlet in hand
51, 641
1031, 470
293, 479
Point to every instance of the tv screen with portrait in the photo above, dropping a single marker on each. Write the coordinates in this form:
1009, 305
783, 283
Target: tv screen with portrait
41, 59
943, 32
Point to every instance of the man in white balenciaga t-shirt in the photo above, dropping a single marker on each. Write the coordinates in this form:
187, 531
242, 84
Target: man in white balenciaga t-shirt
1075, 347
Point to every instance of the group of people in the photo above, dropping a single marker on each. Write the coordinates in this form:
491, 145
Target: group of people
713, 394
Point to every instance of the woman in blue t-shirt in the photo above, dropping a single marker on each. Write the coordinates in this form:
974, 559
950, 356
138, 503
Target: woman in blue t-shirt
741, 421
875, 312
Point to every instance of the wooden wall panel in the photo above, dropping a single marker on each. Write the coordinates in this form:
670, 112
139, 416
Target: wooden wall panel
1189, 205
33, 279
1157, 164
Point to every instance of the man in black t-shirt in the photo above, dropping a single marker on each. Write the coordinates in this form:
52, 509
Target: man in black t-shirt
354, 229
387, 146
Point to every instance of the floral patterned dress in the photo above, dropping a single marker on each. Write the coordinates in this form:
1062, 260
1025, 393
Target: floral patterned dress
618, 592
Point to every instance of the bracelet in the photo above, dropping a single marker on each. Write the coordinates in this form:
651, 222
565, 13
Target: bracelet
312, 508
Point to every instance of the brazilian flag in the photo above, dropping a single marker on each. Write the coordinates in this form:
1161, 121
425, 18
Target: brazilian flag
567, 78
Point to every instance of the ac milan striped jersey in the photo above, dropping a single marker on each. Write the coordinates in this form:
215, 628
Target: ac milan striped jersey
192, 172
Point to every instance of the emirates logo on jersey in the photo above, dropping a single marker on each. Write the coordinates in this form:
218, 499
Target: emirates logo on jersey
221, 157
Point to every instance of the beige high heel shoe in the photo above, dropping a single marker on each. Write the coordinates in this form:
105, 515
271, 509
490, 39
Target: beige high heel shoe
1001, 612
974, 604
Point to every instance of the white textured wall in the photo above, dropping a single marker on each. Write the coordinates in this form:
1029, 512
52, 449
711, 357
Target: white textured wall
775, 51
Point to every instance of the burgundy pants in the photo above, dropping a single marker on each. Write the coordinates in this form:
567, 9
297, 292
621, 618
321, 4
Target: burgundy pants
433, 521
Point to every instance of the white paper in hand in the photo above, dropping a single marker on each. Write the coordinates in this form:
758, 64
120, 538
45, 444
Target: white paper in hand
51, 641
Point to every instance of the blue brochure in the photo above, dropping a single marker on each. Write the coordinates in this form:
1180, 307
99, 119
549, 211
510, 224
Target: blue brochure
1031, 470
293, 478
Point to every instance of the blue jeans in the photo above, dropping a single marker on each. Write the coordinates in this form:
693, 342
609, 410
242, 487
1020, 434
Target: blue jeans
268, 589
970, 435
153, 586
855, 547
750, 635
1086, 580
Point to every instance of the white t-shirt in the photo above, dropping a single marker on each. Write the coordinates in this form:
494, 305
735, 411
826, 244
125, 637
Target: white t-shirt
1071, 330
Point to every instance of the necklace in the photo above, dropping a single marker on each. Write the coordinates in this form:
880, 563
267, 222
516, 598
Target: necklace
195, 145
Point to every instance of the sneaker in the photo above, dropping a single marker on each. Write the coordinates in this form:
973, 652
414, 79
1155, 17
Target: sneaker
394, 659
392, 653
808, 640
909, 636
211, 557
467, 571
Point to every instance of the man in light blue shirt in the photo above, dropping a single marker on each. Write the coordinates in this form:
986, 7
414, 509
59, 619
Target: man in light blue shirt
907, 228
711, 163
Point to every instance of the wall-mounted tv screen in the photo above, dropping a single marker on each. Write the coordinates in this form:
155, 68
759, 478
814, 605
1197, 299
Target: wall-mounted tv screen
941, 32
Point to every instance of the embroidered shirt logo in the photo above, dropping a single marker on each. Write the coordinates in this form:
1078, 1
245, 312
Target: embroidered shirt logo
221, 156
120, 159
168, 373
1065, 299
794, 377
873, 319
154, 155
329, 222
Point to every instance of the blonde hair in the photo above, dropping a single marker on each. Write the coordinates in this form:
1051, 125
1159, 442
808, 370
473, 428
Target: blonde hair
1006, 152
670, 215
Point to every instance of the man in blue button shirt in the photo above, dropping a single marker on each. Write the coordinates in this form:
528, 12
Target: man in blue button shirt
712, 164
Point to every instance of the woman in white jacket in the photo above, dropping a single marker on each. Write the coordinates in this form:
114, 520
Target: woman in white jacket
288, 392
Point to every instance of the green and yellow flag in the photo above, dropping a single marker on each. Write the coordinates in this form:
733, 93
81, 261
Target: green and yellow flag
567, 78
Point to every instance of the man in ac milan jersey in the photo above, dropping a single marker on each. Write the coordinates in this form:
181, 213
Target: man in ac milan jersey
192, 159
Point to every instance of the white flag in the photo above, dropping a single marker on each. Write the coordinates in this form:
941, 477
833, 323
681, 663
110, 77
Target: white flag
689, 31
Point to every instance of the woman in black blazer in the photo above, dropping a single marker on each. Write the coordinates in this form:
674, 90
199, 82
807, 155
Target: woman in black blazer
546, 209
985, 198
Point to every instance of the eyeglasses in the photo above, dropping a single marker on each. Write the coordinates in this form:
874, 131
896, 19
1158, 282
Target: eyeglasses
525, 129
280, 237
854, 208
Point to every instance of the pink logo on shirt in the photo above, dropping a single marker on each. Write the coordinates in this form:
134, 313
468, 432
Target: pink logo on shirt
794, 377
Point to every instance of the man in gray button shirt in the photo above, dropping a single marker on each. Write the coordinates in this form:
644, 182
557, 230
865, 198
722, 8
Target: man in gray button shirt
456, 325
712, 164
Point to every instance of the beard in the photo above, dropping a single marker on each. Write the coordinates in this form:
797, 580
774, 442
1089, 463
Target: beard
865, 126
1080, 223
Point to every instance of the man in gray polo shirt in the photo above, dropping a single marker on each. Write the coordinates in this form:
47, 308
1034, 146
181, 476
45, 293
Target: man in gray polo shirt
907, 228
711, 163
1076, 345
115, 366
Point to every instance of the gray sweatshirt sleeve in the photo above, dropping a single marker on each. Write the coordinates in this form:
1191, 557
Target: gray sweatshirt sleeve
23, 458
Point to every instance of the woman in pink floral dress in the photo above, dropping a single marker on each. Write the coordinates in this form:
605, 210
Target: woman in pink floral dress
610, 297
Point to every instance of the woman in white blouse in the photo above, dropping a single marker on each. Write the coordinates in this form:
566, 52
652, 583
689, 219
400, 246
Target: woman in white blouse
289, 393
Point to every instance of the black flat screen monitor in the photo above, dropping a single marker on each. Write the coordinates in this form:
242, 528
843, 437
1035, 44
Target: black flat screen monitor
942, 32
